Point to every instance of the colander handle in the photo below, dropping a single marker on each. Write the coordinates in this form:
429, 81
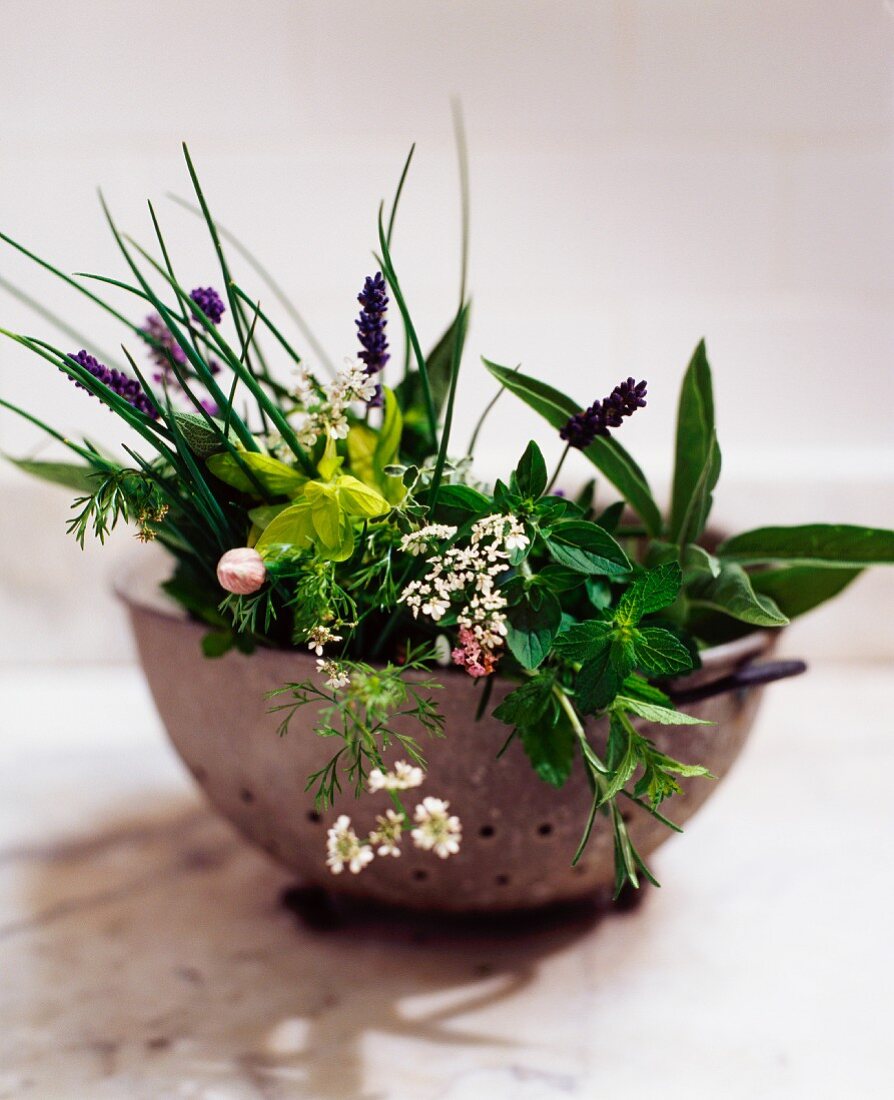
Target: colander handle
749, 675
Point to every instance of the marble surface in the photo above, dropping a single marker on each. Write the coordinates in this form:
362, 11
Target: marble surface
145, 951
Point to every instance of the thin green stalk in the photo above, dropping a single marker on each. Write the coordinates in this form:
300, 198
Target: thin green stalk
557, 471
91, 456
265, 275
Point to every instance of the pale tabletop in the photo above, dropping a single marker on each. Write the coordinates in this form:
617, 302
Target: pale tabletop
144, 950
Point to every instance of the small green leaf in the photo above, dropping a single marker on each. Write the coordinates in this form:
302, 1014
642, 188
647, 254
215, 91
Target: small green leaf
597, 683
697, 462
217, 642
732, 594
584, 641
530, 474
292, 529
585, 547
650, 592
550, 748
833, 546
527, 703
530, 631
459, 503
357, 499
665, 716
660, 653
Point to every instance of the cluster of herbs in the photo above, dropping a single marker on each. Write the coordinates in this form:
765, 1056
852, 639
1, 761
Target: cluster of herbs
325, 508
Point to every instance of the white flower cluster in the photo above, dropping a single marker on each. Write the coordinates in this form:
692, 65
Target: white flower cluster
319, 636
471, 570
417, 542
336, 674
327, 415
435, 829
402, 778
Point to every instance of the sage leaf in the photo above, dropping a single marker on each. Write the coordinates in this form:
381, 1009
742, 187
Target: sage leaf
830, 545
732, 594
697, 460
586, 548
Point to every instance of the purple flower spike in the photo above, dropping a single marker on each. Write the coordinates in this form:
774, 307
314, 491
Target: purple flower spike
371, 327
209, 302
623, 401
126, 387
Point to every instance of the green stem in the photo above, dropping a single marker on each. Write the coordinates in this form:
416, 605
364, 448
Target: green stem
558, 470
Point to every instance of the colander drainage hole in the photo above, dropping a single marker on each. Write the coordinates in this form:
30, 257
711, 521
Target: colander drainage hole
313, 817
545, 829
419, 875
246, 795
486, 831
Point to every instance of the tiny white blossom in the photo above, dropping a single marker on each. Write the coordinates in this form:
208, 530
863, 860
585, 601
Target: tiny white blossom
336, 674
344, 848
388, 834
401, 778
436, 830
318, 637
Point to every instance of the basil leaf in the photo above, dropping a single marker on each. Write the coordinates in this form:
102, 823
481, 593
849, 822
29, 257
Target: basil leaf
531, 629
529, 478
586, 548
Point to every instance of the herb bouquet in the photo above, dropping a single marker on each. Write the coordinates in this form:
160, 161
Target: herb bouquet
340, 562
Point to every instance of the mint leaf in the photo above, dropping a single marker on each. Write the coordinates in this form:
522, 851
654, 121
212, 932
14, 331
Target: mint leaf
650, 592
586, 548
584, 641
550, 748
527, 703
660, 653
665, 716
597, 683
833, 546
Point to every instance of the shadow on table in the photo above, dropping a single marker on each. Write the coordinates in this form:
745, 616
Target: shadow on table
169, 956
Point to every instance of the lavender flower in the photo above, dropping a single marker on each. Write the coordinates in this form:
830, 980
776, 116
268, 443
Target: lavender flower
209, 302
582, 428
126, 387
371, 327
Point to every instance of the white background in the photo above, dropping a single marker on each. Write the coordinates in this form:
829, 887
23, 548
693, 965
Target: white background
642, 174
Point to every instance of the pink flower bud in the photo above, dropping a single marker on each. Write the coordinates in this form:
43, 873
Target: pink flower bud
241, 571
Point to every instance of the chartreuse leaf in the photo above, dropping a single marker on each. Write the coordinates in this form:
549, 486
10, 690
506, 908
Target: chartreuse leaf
697, 461
357, 499
361, 444
71, 475
830, 545
732, 594
531, 627
265, 514
583, 546
660, 653
650, 592
529, 478
605, 453
796, 589
275, 477
291, 530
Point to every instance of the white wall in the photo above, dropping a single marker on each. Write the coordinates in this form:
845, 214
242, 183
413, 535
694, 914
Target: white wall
642, 174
